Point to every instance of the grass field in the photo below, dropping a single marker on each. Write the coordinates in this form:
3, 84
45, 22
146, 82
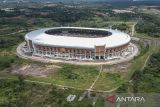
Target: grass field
49, 91
81, 77
14, 92
68, 75
111, 80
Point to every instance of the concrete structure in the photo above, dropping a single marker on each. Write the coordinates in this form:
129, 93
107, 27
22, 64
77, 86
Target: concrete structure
78, 43
71, 98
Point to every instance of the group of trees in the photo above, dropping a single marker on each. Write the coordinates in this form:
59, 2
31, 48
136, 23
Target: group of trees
11, 92
9, 41
6, 61
59, 14
67, 14
122, 27
15, 93
18, 93
148, 80
149, 25
150, 28
124, 16
68, 72
12, 13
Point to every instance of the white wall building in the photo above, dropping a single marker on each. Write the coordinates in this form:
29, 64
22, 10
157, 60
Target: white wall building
78, 43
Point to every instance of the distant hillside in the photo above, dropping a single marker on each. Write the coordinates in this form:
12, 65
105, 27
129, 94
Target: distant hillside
113, 2
135, 3
75, 0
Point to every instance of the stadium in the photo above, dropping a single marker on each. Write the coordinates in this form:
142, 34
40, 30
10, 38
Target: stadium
77, 43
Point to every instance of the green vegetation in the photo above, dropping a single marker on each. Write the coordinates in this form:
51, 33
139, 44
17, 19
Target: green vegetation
123, 27
112, 79
149, 25
108, 81
19, 93
16, 92
8, 41
71, 75
149, 79
146, 81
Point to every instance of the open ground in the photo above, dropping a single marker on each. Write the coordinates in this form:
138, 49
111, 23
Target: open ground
104, 78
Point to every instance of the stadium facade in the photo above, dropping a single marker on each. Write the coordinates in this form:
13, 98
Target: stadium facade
78, 43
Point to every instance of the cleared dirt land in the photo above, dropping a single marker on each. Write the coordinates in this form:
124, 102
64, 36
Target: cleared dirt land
34, 70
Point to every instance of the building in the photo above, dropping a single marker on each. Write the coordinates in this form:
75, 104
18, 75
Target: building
78, 43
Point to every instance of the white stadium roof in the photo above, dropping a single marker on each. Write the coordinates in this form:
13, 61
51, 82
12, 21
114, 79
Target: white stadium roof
116, 39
